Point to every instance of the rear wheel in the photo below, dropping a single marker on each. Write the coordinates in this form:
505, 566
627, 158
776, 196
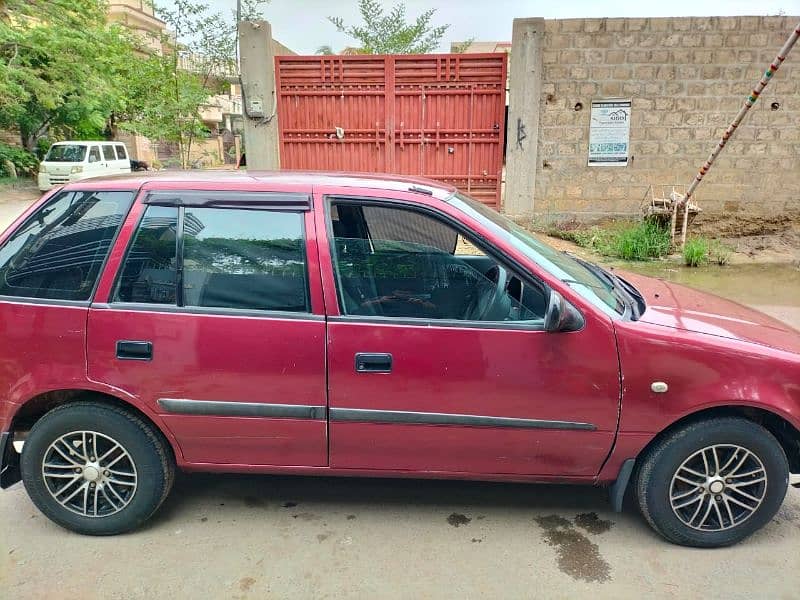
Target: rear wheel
96, 469
713, 483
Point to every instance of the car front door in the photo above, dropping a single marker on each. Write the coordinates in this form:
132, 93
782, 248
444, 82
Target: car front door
213, 321
437, 356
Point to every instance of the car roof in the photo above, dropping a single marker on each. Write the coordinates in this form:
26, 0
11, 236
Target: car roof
303, 181
85, 143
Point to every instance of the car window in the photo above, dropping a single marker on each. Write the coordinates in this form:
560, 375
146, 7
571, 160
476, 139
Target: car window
121, 154
66, 153
232, 258
108, 153
149, 273
57, 253
247, 259
94, 154
395, 262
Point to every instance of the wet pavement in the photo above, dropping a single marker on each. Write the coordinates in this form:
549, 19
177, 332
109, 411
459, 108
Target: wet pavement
230, 536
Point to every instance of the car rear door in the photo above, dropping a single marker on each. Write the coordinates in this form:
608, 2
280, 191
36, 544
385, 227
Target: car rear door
417, 381
212, 316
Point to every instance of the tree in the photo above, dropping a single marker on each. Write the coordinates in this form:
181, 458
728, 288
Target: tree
389, 33
167, 91
59, 61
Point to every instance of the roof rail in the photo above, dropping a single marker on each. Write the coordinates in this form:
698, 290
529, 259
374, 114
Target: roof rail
420, 190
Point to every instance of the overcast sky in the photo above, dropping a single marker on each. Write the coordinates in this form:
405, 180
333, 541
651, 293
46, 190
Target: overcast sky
302, 25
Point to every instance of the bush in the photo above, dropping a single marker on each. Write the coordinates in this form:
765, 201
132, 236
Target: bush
24, 162
695, 252
719, 253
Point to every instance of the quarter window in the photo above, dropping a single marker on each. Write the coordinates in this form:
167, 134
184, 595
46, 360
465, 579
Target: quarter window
395, 262
232, 258
121, 155
58, 251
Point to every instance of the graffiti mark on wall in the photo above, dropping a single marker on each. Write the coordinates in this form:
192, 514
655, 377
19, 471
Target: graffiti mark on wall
521, 133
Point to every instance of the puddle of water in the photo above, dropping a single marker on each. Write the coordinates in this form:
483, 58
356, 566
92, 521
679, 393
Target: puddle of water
457, 519
576, 554
774, 285
592, 523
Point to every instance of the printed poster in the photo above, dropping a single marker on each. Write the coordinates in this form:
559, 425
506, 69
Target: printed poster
609, 133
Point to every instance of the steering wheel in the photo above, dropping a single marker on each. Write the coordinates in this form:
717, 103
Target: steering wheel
494, 305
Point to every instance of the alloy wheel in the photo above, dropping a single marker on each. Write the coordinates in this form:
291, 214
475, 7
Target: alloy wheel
718, 487
89, 473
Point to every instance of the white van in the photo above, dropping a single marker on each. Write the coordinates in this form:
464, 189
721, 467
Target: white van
71, 161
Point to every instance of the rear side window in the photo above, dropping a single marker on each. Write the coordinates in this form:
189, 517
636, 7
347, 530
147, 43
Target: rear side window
108, 153
150, 269
58, 251
121, 155
232, 258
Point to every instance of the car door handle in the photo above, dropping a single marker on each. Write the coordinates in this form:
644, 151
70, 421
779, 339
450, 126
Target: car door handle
371, 362
134, 350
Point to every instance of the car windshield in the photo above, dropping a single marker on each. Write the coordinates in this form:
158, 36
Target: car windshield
66, 153
591, 283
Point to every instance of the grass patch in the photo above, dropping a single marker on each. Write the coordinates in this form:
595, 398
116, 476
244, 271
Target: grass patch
700, 251
630, 241
695, 252
719, 253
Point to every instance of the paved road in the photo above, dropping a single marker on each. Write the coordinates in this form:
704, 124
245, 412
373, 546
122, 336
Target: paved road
257, 537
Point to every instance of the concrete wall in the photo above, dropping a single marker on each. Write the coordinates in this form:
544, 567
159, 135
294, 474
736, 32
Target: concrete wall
687, 77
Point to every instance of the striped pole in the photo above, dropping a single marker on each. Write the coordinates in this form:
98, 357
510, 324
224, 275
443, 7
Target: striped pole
748, 103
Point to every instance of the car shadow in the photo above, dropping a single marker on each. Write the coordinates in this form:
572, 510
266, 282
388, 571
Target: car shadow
346, 493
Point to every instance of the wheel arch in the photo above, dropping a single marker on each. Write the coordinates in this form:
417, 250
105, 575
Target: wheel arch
29, 412
785, 432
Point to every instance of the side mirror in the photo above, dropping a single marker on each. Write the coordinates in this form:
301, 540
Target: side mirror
561, 315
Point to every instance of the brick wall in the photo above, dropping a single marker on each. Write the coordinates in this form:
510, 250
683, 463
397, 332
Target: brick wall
687, 78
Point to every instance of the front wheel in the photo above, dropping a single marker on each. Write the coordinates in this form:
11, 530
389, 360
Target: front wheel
712, 483
96, 469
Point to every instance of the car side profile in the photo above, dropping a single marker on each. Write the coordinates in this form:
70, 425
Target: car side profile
335, 324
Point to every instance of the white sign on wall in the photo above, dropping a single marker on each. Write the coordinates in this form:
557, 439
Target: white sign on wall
609, 133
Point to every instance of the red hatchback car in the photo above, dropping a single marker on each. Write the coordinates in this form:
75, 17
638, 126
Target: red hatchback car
377, 326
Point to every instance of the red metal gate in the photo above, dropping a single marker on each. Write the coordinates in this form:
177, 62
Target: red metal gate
436, 115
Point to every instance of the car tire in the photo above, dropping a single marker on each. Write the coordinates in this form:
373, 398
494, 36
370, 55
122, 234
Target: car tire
116, 468
702, 485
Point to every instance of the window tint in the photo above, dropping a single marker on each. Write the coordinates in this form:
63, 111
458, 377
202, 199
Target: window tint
249, 259
232, 258
58, 252
149, 273
395, 262
94, 154
121, 155
108, 153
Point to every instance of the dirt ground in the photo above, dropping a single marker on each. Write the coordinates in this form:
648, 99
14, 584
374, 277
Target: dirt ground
242, 537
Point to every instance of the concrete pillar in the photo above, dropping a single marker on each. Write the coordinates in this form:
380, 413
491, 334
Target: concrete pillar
259, 95
525, 82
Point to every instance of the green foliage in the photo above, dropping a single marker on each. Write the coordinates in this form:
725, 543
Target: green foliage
629, 241
643, 241
24, 162
165, 92
389, 33
695, 252
59, 68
